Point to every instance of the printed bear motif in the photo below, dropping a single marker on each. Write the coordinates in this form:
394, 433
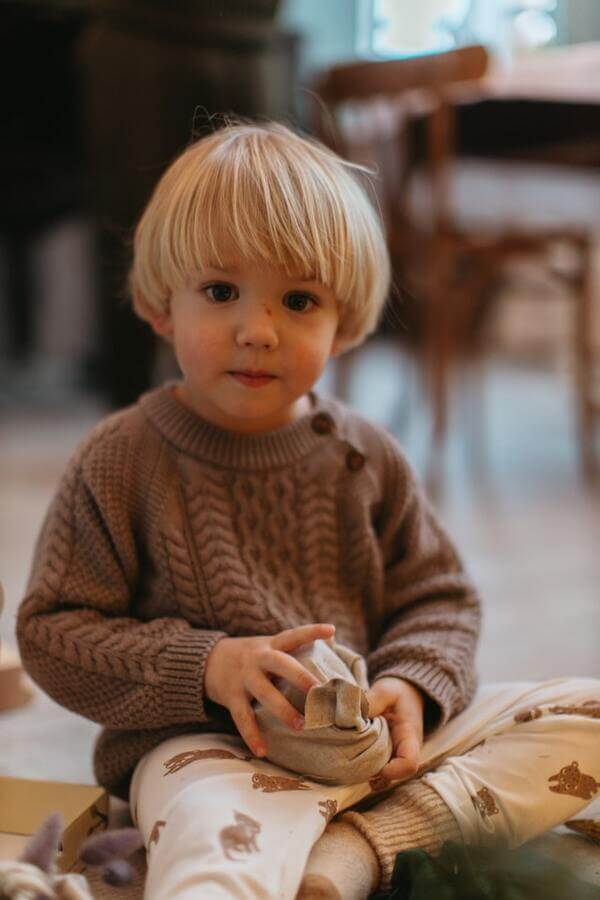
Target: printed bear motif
241, 837
272, 783
485, 803
569, 780
180, 760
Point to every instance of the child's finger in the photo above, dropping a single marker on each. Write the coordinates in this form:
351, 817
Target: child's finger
399, 769
292, 638
283, 665
405, 755
378, 704
273, 700
408, 749
245, 722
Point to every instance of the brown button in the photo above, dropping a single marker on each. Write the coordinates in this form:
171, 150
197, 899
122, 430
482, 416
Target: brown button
322, 423
355, 460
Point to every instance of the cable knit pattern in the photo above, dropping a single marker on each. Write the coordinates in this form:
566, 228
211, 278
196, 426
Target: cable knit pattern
168, 533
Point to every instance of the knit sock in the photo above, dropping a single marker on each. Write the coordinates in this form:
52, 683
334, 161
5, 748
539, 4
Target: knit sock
414, 815
342, 865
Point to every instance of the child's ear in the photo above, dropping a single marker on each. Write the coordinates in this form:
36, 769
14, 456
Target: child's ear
161, 322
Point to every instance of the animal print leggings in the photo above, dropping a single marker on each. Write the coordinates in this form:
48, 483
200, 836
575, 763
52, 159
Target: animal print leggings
220, 823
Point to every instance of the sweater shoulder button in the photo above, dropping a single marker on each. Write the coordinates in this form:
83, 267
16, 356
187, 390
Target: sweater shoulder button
322, 423
355, 460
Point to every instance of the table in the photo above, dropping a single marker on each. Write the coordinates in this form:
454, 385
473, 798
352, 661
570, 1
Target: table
544, 107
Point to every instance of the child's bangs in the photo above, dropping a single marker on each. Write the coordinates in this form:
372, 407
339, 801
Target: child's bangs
254, 204
264, 194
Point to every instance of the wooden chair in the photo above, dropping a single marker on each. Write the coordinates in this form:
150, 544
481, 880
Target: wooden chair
374, 112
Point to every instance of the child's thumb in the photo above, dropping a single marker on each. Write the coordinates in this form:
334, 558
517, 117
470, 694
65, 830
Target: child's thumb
377, 703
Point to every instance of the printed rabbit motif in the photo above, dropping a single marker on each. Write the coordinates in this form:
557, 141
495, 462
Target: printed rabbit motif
155, 833
528, 715
272, 783
180, 760
241, 837
590, 708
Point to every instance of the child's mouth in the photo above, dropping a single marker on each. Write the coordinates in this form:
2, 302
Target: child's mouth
252, 380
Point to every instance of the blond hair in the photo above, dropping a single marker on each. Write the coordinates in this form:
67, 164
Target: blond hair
262, 192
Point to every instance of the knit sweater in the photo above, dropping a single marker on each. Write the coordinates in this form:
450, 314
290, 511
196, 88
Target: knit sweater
168, 533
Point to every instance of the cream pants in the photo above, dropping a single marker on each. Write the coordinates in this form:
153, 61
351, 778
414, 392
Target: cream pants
219, 823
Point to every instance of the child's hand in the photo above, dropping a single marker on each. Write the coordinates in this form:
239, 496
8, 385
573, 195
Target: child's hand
236, 673
401, 703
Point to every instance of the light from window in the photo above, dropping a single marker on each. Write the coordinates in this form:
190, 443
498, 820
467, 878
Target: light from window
398, 28
400, 31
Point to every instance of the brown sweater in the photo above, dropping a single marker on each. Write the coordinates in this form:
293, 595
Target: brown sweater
167, 533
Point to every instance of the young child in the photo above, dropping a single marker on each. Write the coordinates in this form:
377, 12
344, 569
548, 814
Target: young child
202, 538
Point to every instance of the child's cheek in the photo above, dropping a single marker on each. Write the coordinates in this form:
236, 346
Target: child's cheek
196, 347
306, 360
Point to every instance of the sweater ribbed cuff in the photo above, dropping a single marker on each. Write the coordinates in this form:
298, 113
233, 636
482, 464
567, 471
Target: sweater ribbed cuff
432, 680
182, 674
413, 816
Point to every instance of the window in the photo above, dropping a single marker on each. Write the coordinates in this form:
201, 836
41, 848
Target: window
390, 28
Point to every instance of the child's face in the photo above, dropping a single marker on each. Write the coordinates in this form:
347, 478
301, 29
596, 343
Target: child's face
250, 317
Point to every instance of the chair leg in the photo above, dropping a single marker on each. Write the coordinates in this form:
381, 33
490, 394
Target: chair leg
437, 387
438, 354
584, 370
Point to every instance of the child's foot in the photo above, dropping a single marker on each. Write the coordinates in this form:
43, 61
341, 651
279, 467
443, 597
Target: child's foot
342, 865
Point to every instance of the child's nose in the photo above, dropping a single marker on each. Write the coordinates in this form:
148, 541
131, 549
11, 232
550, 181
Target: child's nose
257, 326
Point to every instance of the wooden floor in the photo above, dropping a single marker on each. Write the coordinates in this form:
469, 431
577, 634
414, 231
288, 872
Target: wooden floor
527, 527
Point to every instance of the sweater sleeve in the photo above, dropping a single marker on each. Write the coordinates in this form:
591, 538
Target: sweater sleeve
432, 611
77, 630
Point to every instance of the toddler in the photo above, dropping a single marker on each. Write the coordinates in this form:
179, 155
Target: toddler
235, 544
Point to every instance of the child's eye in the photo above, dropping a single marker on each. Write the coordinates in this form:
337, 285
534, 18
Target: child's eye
298, 297
219, 292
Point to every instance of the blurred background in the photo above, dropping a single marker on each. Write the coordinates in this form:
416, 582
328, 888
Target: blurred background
481, 121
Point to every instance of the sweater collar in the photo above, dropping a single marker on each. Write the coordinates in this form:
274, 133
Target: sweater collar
192, 434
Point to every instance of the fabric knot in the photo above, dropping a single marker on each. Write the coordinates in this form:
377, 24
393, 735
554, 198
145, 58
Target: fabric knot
339, 743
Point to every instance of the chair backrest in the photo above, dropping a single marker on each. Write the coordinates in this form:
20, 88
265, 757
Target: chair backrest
381, 95
433, 71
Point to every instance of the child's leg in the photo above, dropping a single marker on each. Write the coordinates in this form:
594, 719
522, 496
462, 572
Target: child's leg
218, 822
522, 758
536, 768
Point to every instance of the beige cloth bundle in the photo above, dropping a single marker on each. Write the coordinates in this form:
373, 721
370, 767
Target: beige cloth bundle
339, 743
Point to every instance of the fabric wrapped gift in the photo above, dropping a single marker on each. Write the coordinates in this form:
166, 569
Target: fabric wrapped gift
339, 743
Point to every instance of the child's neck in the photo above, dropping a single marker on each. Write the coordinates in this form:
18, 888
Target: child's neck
302, 407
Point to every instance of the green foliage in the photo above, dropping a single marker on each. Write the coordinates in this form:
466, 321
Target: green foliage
464, 872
